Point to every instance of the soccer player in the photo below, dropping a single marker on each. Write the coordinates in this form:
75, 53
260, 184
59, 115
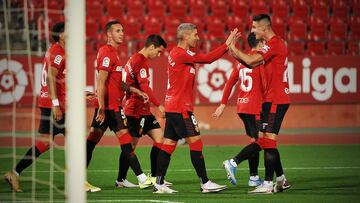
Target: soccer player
109, 113
276, 102
179, 105
248, 105
140, 120
51, 103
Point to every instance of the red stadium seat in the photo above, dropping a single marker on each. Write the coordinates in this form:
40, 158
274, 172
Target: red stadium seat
354, 25
353, 48
56, 4
338, 29
340, 8
135, 8
219, 9
240, 8
259, 7
279, 26
315, 48
92, 28
280, 8
132, 27
355, 7
198, 8
298, 27
336, 47
199, 22
296, 47
318, 27
300, 8
171, 25
215, 29
235, 22
177, 9
320, 8
114, 8
156, 8
152, 25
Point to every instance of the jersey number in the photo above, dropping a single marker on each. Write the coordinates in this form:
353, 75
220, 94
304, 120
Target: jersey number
245, 77
43, 76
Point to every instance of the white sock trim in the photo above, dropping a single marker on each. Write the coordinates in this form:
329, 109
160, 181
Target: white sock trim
141, 178
233, 163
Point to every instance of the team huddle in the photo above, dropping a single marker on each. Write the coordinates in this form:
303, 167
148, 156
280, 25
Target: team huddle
262, 102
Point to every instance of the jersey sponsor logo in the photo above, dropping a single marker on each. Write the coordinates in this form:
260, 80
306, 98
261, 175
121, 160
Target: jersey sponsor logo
265, 49
119, 68
58, 59
170, 61
190, 52
143, 73
106, 62
243, 100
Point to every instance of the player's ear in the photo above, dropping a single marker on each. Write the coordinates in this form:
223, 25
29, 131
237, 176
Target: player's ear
152, 47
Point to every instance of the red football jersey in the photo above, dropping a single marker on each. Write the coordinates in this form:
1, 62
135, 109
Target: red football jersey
275, 57
250, 94
55, 57
136, 74
181, 77
108, 60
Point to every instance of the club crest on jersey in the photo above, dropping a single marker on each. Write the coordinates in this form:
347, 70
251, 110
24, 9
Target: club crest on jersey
58, 59
265, 49
190, 52
143, 73
106, 62
192, 71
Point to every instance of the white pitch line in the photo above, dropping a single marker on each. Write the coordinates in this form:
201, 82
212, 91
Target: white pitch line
113, 200
215, 169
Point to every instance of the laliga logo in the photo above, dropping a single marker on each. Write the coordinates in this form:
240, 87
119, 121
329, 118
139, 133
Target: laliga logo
13, 81
211, 79
343, 80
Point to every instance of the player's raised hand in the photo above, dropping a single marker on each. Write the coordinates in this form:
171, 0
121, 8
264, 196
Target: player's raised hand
89, 95
100, 116
144, 96
58, 115
219, 111
231, 37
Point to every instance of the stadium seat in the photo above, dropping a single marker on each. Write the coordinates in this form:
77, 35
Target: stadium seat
315, 48
355, 5
56, 4
132, 27
135, 8
280, 26
338, 29
235, 22
336, 47
300, 8
240, 8
177, 9
114, 8
152, 25
340, 8
198, 8
156, 8
215, 29
219, 9
92, 28
353, 48
199, 22
280, 8
171, 25
320, 8
298, 27
296, 47
318, 27
258, 7
354, 25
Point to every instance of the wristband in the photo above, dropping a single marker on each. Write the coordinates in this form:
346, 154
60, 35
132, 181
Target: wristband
55, 102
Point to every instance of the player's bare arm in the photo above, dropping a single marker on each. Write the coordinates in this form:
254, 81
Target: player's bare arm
51, 80
134, 90
102, 77
250, 61
219, 111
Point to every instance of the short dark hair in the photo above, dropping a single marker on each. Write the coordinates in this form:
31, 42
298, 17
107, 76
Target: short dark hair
252, 41
110, 23
57, 29
261, 17
155, 40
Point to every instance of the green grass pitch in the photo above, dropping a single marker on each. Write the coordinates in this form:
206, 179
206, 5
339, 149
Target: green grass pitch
318, 173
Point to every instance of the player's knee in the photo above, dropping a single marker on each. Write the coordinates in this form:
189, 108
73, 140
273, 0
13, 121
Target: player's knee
95, 136
269, 143
168, 148
124, 138
42, 146
196, 146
